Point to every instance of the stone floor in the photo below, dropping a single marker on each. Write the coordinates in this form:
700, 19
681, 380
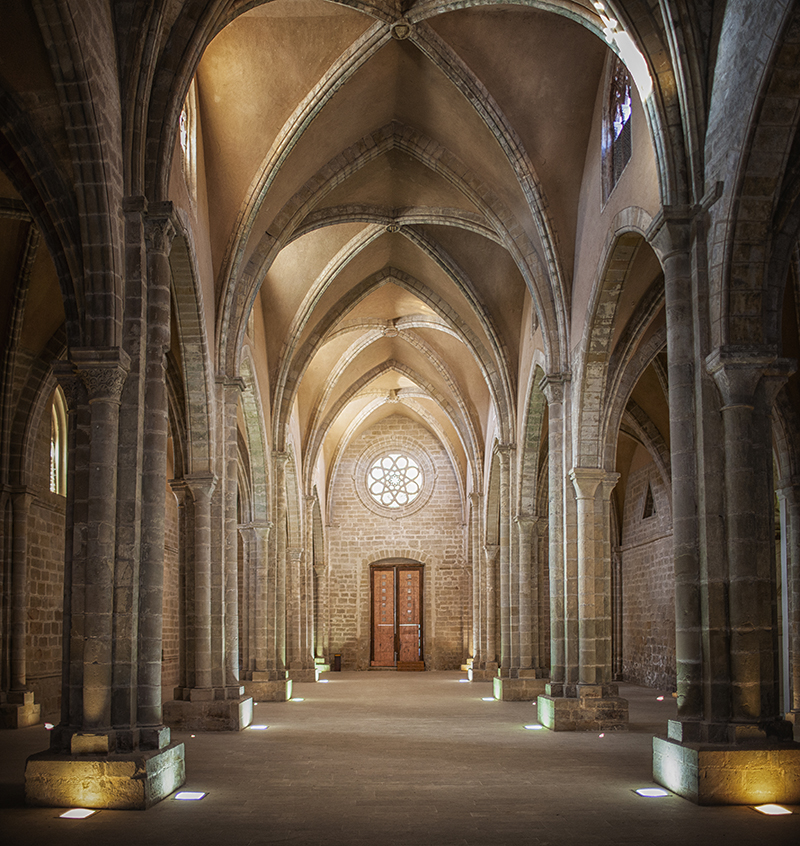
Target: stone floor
403, 758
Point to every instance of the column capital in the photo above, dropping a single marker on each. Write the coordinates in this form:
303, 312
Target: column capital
491, 550
553, 386
585, 480
70, 383
475, 498
201, 486
296, 554
235, 383
739, 370
504, 450
159, 229
103, 372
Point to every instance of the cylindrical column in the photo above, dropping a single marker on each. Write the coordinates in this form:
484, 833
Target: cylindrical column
103, 373
789, 496
281, 552
672, 238
748, 384
491, 553
528, 624
585, 480
553, 388
232, 389
202, 487
159, 233
506, 608
21, 503
476, 559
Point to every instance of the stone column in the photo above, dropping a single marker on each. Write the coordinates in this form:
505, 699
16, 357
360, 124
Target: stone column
159, 233
491, 553
280, 563
478, 582
528, 625
247, 606
789, 496
320, 613
201, 489
232, 389
508, 607
18, 709
186, 585
553, 389
748, 381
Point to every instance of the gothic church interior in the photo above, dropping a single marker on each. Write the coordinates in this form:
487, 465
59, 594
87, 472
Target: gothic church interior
399, 336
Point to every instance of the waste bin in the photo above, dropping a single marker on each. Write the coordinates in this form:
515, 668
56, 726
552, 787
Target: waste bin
337, 662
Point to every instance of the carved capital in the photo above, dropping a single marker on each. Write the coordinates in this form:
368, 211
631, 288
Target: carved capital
103, 372
740, 371
70, 383
585, 481
201, 487
159, 232
553, 386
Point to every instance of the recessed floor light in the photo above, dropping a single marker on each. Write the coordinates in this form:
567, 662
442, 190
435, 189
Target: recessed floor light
258, 728
534, 727
49, 726
189, 795
652, 792
77, 814
771, 810
488, 699
323, 681
463, 681
297, 699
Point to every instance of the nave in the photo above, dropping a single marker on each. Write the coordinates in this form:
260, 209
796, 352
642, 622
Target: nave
417, 759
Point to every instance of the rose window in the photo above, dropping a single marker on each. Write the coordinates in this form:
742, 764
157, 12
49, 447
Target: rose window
394, 480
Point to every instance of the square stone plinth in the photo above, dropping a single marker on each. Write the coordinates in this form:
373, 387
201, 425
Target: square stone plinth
583, 713
20, 716
279, 690
210, 714
517, 690
304, 675
134, 781
728, 775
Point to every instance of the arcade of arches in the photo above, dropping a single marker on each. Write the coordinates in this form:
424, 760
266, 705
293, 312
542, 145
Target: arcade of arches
409, 334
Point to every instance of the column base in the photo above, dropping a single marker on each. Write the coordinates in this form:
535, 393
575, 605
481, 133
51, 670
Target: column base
133, 781
485, 672
519, 689
19, 710
728, 775
595, 708
276, 690
209, 714
303, 675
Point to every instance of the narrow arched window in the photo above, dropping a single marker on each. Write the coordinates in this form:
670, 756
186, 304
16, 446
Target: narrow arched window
58, 443
616, 126
187, 133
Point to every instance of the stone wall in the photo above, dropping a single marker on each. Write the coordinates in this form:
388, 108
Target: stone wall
433, 535
45, 580
648, 589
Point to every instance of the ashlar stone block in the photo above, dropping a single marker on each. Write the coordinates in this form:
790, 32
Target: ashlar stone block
728, 775
133, 781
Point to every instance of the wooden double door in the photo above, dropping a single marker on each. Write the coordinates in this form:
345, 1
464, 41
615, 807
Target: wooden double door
397, 616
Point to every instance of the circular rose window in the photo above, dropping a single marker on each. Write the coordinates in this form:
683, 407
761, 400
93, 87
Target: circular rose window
394, 480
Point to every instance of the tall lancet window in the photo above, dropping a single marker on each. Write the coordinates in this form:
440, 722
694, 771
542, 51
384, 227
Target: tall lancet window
58, 443
616, 126
187, 133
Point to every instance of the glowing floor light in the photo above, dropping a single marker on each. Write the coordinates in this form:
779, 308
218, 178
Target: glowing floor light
77, 814
297, 699
49, 726
771, 810
323, 681
534, 727
488, 699
189, 795
652, 792
258, 728
463, 681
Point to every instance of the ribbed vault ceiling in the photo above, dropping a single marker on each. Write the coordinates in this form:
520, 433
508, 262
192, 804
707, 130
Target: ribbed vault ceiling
391, 194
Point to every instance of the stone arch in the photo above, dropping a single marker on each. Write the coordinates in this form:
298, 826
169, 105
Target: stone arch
625, 238
199, 393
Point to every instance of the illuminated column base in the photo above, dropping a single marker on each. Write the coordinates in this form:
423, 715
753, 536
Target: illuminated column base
595, 708
486, 672
135, 781
276, 690
210, 714
19, 711
728, 775
518, 690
